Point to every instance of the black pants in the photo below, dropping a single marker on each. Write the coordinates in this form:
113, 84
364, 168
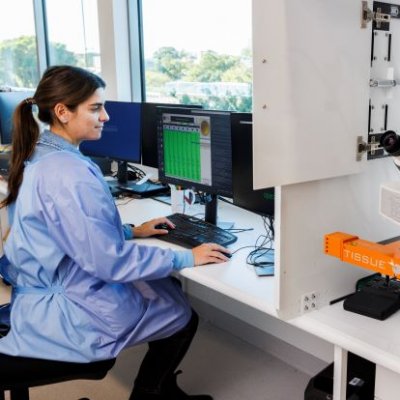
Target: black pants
164, 356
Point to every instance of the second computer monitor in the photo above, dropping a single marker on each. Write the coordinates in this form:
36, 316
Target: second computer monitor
195, 151
261, 201
121, 136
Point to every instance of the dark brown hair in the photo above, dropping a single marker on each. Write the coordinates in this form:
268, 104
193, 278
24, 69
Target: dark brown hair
59, 84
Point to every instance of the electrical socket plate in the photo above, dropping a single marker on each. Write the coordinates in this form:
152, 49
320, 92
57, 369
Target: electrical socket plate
309, 302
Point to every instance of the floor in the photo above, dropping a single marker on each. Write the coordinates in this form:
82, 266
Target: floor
218, 363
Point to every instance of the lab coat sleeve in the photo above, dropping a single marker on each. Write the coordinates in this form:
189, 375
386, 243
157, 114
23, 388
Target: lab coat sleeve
84, 222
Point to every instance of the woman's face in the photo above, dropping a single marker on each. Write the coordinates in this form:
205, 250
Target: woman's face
86, 121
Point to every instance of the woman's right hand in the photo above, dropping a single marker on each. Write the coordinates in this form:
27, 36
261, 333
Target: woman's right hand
208, 253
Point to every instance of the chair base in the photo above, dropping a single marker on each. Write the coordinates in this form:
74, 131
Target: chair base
18, 374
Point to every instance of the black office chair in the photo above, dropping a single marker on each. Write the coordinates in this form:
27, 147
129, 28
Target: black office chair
18, 374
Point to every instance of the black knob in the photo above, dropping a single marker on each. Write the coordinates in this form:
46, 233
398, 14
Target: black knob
390, 141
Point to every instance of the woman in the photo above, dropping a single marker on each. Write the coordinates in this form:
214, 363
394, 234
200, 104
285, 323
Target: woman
82, 291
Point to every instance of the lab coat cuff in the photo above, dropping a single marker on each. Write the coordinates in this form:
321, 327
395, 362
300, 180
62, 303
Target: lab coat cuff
183, 259
128, 231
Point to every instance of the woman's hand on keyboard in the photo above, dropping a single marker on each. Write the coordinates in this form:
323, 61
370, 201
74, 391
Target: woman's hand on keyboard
208, 253
158, 226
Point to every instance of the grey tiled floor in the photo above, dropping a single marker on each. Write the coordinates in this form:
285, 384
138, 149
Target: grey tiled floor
218, 363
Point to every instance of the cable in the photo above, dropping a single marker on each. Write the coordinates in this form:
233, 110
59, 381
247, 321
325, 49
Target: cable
263, 246
239, 230
137, 171
124, 201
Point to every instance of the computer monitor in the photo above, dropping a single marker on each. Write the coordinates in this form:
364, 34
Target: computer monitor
120, 139
149, 130
8, 103
194, 151
260, 201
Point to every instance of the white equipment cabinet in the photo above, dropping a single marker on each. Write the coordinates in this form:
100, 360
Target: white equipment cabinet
324, 82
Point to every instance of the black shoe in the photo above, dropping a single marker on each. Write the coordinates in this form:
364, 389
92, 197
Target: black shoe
172, 391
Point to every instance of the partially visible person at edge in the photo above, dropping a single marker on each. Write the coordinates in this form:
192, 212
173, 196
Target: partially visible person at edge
82, 289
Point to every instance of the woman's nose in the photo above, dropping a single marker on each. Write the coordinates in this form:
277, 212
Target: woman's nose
104, 116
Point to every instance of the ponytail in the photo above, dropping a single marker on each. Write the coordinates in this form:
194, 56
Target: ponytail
59, 84
24, 137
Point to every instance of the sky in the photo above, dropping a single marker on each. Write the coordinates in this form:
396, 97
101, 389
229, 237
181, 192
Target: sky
12, 21
220, 25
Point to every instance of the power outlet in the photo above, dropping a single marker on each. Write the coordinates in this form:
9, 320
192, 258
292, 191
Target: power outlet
309, 302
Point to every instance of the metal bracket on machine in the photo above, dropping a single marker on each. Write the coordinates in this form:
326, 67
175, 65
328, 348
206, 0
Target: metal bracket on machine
364, 147
367, 15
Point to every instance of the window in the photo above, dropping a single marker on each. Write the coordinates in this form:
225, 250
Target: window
18, 52
198, 52
73, 33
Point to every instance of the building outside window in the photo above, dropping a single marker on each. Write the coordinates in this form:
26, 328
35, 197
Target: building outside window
18, 52
198, 52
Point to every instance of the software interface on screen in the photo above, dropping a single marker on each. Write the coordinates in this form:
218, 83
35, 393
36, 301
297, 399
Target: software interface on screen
150, 113
195, 152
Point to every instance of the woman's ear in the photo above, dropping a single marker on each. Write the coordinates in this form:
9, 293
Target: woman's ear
62, 113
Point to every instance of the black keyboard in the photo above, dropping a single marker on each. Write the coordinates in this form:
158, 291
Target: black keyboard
191, 231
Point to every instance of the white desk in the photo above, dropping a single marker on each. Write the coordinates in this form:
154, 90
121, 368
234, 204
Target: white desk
234, 278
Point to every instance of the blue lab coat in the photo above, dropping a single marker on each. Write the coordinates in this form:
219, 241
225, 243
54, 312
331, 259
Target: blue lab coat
82, 291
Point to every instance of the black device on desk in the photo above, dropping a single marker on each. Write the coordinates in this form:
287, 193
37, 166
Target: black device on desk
376, 297
191, 231
121, 141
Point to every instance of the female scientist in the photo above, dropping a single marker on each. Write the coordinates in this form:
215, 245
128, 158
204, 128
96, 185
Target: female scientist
81, 290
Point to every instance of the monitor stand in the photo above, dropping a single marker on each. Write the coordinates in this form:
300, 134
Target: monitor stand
145, 189
211, 208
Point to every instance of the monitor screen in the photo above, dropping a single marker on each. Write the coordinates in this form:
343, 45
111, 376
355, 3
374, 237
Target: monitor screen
261, 201
8, 103
195, 150
120, 138
149, 130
